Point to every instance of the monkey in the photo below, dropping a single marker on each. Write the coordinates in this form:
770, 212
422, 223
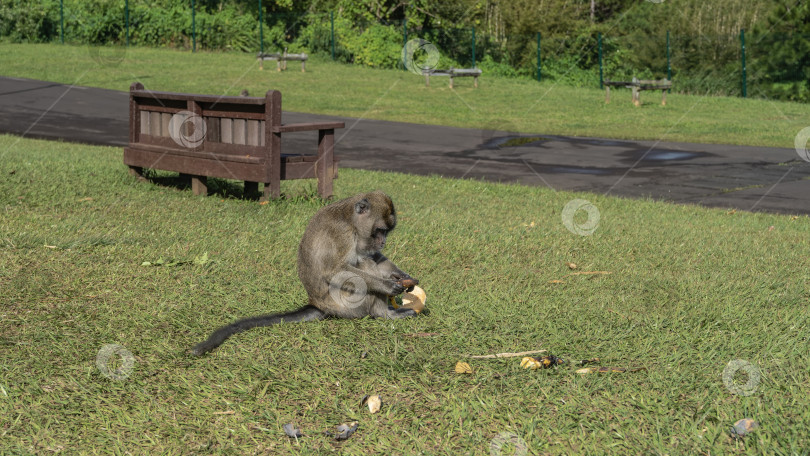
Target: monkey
342, 268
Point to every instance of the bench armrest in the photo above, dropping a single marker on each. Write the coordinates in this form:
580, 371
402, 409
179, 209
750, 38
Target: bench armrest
307, 127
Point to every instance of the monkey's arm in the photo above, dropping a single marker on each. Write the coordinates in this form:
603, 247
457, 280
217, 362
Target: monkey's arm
388, 269
376, 280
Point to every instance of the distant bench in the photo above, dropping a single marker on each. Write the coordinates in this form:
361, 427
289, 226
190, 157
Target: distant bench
226, 137
281, 59
639, 85
452, 73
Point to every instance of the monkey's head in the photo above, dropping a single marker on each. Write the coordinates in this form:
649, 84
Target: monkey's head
374, 217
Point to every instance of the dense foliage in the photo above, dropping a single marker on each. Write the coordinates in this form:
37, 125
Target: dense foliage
499, 37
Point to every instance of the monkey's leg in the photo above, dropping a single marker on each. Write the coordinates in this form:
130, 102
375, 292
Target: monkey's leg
382, 310
306, 313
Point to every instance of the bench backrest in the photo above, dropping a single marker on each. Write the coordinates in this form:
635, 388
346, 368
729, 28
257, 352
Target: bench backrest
217, 124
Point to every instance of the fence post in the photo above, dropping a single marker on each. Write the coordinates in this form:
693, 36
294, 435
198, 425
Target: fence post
669, 66
473, 47
405, 42
261, 30
126, 14
332, 20
61, 21
538, 56
601, 80
193, 29
742, 45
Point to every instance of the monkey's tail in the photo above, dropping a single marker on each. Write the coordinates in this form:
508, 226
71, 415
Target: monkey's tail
306, 313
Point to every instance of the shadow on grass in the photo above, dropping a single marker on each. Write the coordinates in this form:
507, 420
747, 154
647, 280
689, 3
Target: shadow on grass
223, 188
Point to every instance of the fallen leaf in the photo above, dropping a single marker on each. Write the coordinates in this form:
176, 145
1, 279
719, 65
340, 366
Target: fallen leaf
263, 203
556, 281
86, 199
770, 228
463, 368
421, 334
345, 430
537, 363
292, 430
733, 211
571, 265
373, 402
743, 427
226, 412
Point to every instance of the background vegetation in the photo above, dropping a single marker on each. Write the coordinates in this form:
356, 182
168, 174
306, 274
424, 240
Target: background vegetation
705, 36
687, 290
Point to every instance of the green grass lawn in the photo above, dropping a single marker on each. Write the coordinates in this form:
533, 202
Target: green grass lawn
499, 104
689, 290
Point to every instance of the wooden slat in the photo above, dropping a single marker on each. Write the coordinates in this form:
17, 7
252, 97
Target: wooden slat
165, 118
232, 114
239, 131
196, 166
213, 132
147, 94
226, 131
154, 123
168, 109
309, 126
144, 130
253, 138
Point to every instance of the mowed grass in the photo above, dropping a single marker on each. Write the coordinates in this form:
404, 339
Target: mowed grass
516, 105
686, 291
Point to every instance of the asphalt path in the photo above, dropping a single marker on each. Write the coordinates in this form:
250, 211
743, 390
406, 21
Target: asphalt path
747, 178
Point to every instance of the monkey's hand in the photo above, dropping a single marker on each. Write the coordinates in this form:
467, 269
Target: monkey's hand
405, 280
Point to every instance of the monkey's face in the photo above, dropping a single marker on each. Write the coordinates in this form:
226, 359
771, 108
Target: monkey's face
375, 217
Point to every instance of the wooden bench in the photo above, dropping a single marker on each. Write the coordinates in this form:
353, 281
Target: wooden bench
452, 73
281, 59
639, 85
226, 137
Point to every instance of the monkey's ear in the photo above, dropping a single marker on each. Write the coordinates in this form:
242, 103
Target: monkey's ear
362, 206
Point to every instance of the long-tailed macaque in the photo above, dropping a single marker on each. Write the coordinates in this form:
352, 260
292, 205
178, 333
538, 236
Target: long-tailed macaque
342, 268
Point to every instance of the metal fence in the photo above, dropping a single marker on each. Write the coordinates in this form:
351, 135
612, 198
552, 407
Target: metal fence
734, 65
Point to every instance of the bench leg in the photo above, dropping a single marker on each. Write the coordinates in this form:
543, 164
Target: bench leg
324, 169
636, 96
427, 80
663, 97
137, 171
251, 188
303, 66
199, 185
451, 81
475, 82
272, 190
